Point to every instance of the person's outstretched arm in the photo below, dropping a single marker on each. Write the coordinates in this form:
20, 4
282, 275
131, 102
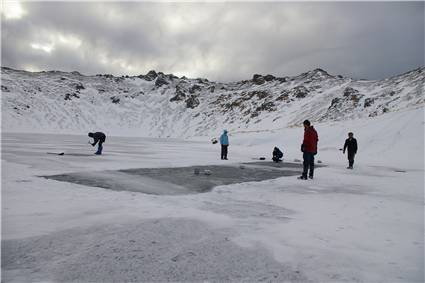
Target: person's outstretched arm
95, 141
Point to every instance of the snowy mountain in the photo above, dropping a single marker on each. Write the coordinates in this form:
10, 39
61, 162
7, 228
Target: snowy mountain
163, 105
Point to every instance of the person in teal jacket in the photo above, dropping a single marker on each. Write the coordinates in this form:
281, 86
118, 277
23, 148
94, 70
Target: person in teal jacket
224, 141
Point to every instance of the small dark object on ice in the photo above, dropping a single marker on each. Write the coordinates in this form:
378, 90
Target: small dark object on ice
297, 160
319, 161
55, 153
214, 141
258, 158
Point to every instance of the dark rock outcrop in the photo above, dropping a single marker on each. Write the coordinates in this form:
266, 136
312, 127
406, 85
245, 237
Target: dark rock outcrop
335, 102
171, 77
150, 76
352, 94
300, 91
160, 81
202, 80
266, 106
254, 114
258, 79
195, 88
180, 93
261, 94
269, 78
79, 86
115, 99
69, 96
348, 91
368, 102
192, 102
283, 97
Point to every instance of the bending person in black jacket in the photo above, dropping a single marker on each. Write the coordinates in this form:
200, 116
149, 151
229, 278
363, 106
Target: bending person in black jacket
351, 145
98, 137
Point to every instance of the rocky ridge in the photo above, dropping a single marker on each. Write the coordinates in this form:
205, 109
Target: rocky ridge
164, 105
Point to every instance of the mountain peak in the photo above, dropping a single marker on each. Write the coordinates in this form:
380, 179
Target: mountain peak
316, 74
319, 71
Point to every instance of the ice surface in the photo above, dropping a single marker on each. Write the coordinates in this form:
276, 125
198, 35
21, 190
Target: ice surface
179, 180
144, 251
361, 225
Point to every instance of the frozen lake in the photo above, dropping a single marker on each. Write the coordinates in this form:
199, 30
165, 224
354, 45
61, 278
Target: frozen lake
258, 223
180, 180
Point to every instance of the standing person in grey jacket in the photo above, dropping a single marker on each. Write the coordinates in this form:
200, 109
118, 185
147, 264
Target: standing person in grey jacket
224, 141
351, 145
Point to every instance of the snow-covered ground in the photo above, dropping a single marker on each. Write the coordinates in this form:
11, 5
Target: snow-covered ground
361, 225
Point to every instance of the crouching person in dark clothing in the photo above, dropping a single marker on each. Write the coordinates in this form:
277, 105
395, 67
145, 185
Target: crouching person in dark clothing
309, 149
100, 138
351, 145
277, 154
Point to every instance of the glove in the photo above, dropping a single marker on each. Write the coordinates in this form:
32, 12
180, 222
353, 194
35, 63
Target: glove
302, 148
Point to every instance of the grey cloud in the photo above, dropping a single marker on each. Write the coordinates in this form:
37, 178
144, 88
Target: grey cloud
221, 41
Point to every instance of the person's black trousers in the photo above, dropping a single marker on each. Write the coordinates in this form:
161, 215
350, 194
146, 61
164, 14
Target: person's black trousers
308, 164
351, 158
224, 151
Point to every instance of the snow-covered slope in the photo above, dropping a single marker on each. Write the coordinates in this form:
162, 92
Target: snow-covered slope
160, 105
392, 140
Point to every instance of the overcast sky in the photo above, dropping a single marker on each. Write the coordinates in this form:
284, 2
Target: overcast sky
219, 41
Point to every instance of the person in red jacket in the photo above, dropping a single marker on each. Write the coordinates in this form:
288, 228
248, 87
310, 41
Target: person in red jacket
309, 149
